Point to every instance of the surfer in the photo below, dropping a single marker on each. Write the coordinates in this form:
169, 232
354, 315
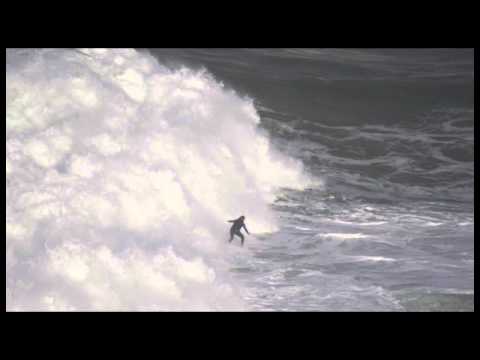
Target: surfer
236, 227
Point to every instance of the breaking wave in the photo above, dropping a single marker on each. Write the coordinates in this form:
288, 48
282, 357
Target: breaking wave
120, 176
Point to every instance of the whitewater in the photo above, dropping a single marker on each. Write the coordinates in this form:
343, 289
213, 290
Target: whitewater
120, 176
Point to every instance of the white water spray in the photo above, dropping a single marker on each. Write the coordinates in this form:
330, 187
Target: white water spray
120, 176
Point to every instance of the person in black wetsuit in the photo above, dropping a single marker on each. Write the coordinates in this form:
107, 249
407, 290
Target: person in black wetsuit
236, 227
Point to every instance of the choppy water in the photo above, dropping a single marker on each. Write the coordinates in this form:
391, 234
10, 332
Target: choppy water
390, 131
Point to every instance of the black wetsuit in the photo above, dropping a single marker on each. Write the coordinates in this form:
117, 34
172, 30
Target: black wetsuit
236, 227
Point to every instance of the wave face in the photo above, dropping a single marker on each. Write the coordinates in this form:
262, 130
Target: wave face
120, 176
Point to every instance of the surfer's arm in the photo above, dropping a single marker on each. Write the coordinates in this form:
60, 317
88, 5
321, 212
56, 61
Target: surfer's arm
246, 229
231, 221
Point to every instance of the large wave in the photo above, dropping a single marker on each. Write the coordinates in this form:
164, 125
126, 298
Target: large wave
120, 176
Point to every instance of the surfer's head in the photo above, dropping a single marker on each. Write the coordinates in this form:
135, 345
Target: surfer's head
242, 217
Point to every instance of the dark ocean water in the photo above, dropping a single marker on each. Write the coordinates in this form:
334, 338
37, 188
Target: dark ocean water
390, 133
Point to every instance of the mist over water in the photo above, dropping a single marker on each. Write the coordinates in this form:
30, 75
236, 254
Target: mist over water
354, 169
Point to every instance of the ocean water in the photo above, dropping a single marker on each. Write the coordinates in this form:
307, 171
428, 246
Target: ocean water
353, 167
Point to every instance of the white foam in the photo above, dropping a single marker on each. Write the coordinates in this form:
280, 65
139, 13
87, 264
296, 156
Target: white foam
370, 223
432, 223
343, 235
374, 258
302, 228
123, 174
